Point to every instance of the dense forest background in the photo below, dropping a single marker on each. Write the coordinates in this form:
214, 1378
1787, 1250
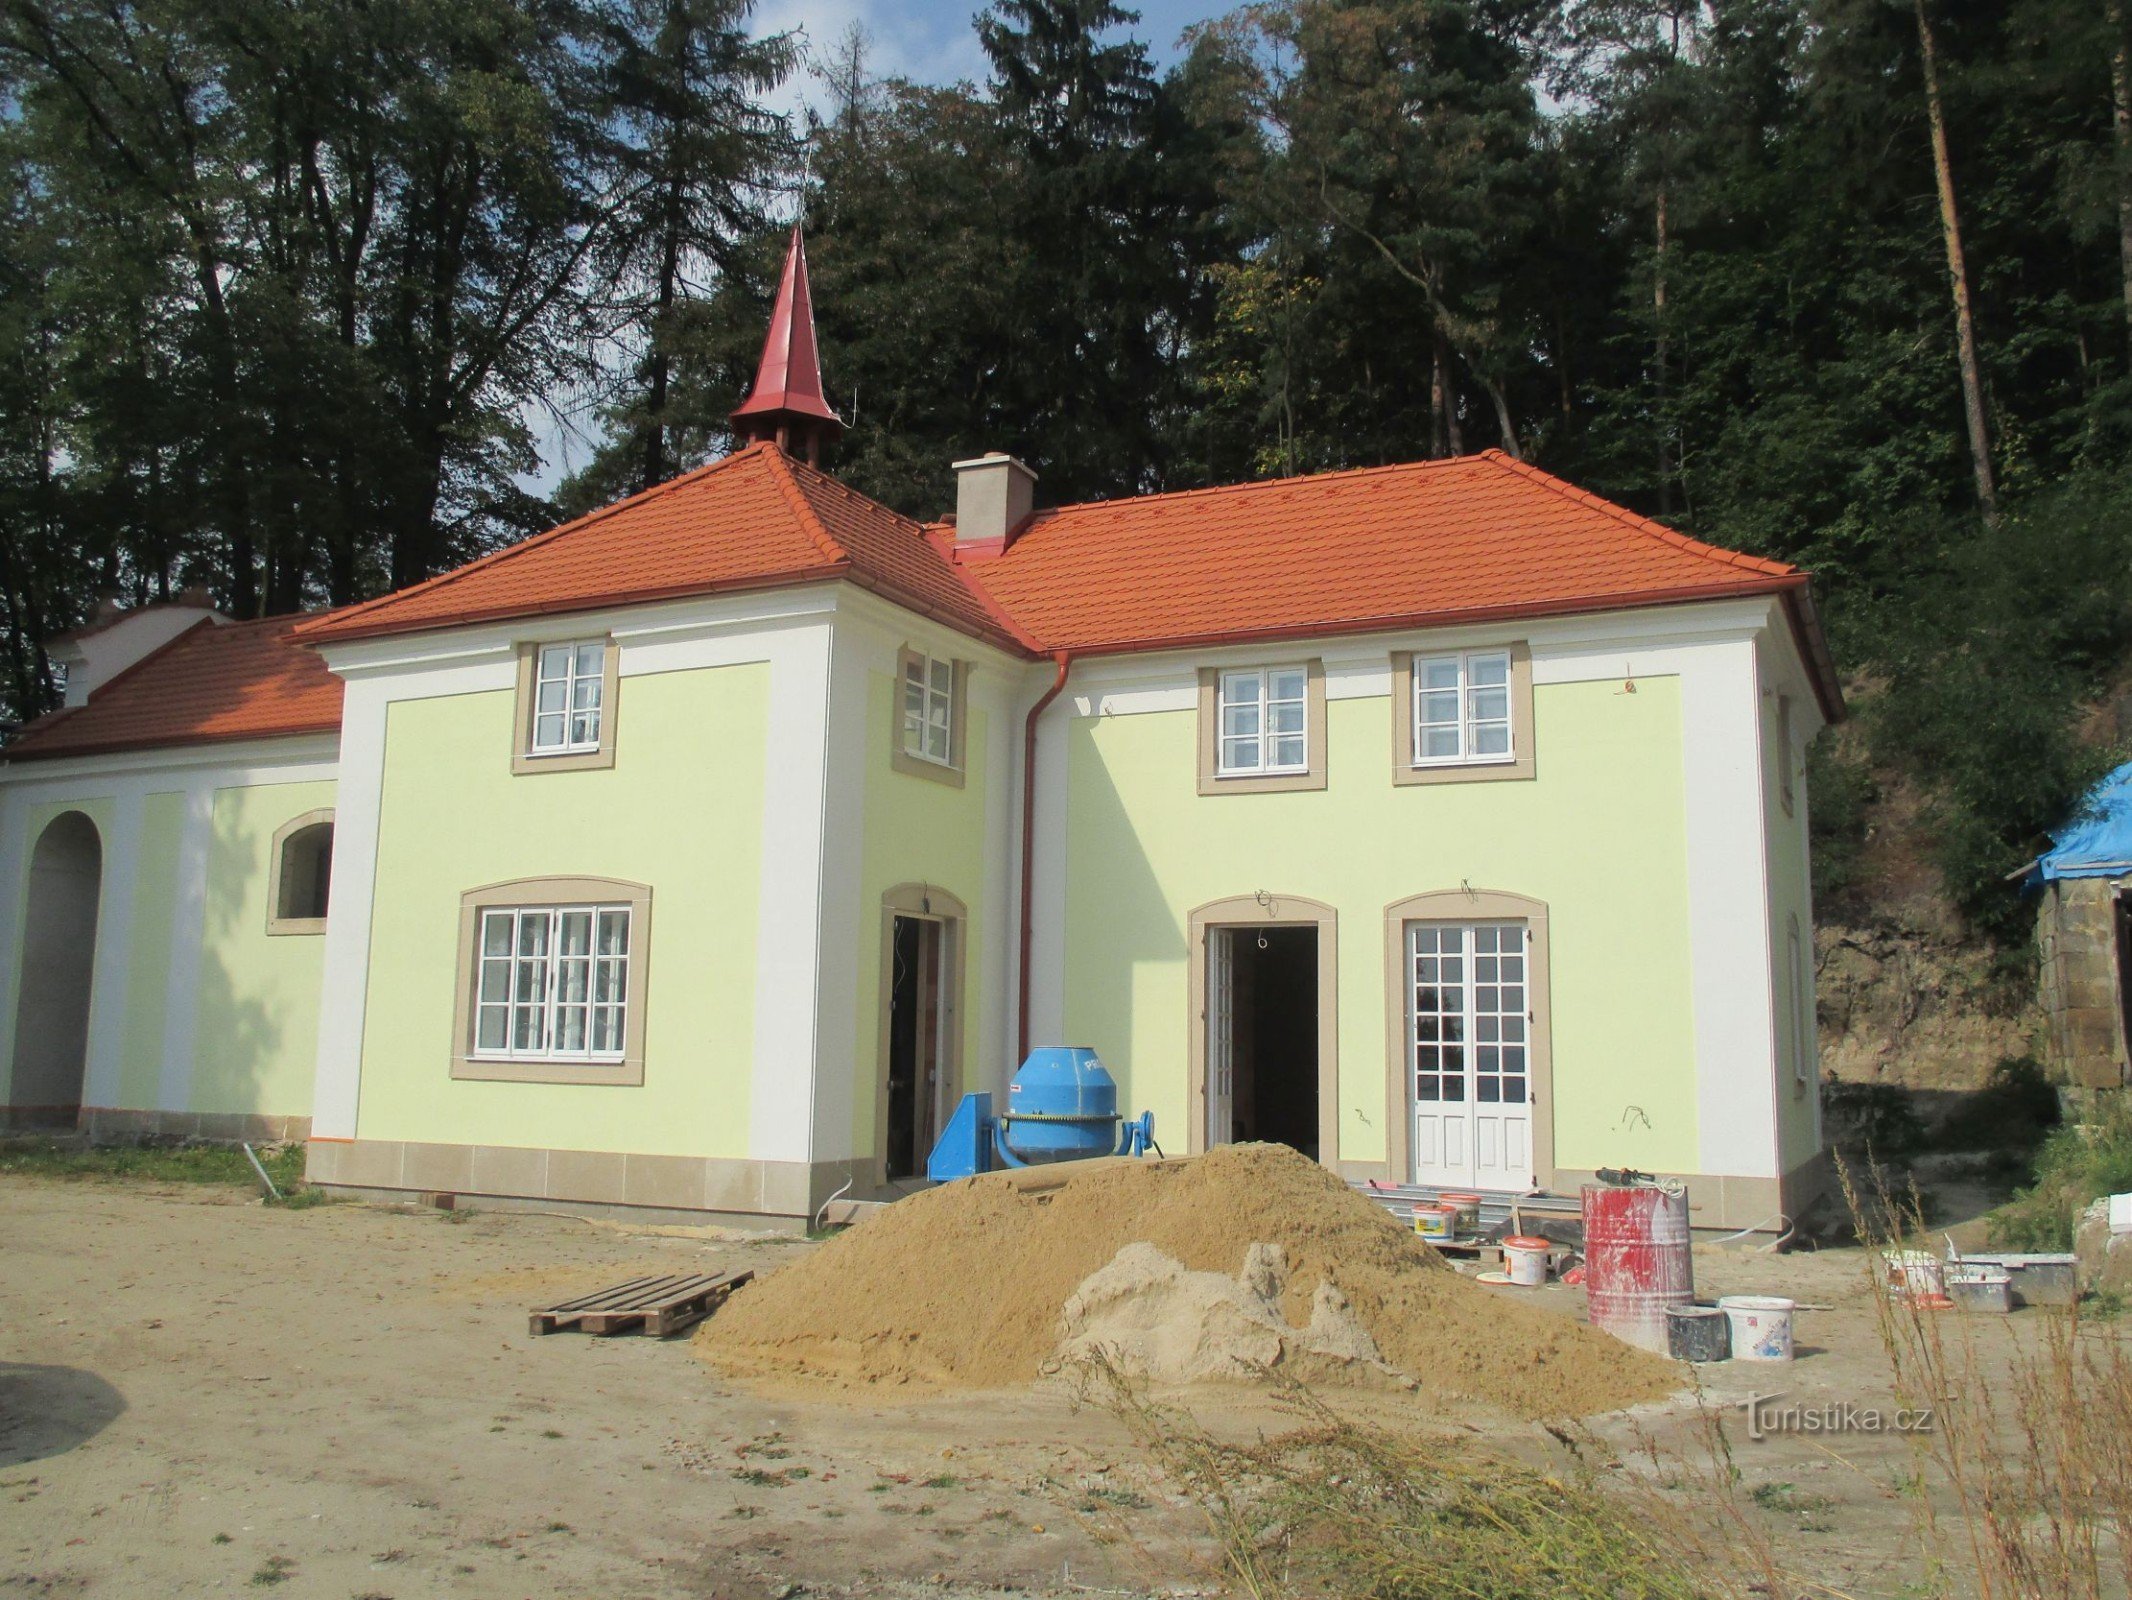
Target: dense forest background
293, 291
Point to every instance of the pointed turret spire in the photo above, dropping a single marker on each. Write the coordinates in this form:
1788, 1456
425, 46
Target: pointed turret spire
787, 404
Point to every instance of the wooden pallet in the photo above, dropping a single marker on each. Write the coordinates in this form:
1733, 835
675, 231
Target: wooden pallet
654, 1306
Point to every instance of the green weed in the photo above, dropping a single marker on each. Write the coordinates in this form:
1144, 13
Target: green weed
2075, 1165
151, 1163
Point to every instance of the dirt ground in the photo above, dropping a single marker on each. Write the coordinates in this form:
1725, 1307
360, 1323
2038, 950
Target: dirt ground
198, 1394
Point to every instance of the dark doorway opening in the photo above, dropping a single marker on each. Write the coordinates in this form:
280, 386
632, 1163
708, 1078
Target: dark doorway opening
58, 965
915, 1035
1275, 1041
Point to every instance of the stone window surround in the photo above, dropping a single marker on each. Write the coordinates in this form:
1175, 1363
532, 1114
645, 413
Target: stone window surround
277, 924
626, 1073
1211, 779
1466, 905
1267, 911
904, 760
523, 760
935, 904
1521, 764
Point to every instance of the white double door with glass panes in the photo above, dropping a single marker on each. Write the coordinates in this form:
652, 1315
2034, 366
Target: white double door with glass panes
1469, 1053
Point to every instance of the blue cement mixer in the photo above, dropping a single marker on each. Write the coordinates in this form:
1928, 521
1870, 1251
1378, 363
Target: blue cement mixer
1062, 1106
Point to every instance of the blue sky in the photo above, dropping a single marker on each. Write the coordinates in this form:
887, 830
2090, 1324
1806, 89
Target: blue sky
933, 41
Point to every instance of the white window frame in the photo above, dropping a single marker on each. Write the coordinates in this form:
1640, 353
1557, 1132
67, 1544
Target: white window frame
547, 966
1262, 701
935, 711
573, 679
1467, 723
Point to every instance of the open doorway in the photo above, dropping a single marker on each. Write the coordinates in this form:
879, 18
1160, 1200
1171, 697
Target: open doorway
58, 962
917, 1039
1262, 1036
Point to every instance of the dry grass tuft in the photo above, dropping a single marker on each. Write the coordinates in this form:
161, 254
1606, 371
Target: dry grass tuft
1338, 1508
2033, 1468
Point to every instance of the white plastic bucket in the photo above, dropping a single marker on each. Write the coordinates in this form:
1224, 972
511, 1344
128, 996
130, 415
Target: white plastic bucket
1435, 1223
1917, 1275
1468, 1207
1760, 1325
1525, 1261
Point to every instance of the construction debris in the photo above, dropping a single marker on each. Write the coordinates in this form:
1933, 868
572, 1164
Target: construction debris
656, 1307
967, 1286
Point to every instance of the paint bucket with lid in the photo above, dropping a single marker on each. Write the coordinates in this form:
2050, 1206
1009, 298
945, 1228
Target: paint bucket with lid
1468, 1207
1525, 1261
1760, 1325
1435, 1223
1698, 1333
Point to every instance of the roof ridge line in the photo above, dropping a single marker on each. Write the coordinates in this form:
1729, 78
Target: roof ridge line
537, 541
1255, 484
1649, 527
830, 480
987, 602
1001, 618
782, 469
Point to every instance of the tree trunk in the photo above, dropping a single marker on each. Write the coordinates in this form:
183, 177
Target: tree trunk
1449, 437
1508, 432
1965, 328
2121, 127
656, 468
1662, 353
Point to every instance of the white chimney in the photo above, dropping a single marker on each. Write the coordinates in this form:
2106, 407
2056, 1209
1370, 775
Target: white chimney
994, 495
95, 654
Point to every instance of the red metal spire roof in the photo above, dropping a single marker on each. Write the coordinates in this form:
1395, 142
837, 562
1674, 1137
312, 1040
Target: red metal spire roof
787, 404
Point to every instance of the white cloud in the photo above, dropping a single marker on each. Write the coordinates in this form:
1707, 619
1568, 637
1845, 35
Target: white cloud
928, 44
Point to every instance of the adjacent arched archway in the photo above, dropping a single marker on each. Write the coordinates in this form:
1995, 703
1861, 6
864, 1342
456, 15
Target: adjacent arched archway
58, 961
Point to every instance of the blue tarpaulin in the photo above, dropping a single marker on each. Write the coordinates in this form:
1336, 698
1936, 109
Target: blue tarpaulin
2097, 843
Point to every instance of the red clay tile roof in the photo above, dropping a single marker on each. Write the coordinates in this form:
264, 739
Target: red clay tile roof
756, 519
1475, 538
1467, 539
213, 682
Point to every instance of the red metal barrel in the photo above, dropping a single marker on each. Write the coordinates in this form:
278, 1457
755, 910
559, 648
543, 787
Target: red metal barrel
1637, 1260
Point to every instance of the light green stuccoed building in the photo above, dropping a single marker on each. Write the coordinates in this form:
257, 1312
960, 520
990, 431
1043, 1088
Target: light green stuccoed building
1440, 820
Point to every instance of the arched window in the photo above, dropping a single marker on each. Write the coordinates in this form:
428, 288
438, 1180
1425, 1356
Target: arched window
303, 874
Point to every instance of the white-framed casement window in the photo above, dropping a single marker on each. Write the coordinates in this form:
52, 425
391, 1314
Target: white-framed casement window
931, 705
553, 983
1462, 715
568, 680
1262, 728
566, 705
1462, 708
929, 708
1265, 722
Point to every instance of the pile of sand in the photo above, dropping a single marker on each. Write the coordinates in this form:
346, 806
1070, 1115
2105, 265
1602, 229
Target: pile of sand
1156, 1318
965, 1286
